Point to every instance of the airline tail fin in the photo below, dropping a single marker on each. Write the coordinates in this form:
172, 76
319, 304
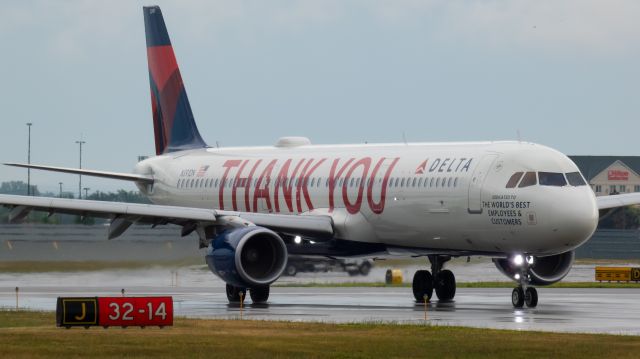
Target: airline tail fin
173, 123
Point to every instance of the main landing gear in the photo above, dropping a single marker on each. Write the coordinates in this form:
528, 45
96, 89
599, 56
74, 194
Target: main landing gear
443, 281
258, 294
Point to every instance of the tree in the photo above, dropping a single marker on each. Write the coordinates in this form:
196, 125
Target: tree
622, 218
17, 187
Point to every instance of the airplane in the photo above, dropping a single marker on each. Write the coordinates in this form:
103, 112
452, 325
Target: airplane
524, 205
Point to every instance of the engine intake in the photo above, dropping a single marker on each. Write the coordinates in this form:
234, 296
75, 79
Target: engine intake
543, 271
247, 257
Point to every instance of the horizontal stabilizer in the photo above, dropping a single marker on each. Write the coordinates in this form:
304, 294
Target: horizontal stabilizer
104, 174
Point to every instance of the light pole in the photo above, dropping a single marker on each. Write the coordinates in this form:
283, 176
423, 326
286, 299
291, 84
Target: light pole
80, 142
29, 160
60, 183
86, 192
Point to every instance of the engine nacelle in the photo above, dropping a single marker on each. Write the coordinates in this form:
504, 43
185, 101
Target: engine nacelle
247, 257
543, 271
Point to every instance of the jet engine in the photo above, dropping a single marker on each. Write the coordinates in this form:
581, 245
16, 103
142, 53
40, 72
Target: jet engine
541, 270
247, 257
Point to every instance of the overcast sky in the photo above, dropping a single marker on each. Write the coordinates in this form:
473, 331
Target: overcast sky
564, 73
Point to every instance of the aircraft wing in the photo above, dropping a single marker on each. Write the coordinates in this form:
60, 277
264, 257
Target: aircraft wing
94, 173
123, 215
618, 200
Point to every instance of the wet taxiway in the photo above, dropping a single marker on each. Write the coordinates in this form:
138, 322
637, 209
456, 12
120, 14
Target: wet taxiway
613, 311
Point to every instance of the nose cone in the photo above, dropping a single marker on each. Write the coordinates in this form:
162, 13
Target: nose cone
575, 217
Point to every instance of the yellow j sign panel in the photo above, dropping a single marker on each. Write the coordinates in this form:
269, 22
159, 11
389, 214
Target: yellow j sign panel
77, 312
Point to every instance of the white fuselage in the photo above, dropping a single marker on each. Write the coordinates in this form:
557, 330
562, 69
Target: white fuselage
439, 196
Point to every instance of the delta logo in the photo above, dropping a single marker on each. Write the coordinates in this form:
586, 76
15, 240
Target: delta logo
421, 168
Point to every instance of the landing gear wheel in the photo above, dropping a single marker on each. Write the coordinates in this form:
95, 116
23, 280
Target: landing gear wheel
291, 270
365, 268
531, 297
422, 285
259, 294
517, 297
445, 284
233, 293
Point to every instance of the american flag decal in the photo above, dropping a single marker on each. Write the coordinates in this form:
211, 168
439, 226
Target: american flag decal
202, 171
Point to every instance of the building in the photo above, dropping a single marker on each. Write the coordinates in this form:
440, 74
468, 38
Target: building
610, 174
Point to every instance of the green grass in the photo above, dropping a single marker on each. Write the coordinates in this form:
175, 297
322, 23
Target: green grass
461, 285
34, 335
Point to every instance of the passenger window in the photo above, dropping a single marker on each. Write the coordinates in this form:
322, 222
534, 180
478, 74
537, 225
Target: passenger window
449, 182
438, 182
513, 181
552, 179
431, 182
420, 182
414, 182
313, 182
575, 179
529, 179
455, 182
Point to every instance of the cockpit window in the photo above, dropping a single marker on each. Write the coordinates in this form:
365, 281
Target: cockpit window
513, 181
552, 179
529, 179
575, 179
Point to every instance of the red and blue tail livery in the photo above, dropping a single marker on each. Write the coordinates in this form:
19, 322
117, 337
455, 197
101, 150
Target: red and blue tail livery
173, 123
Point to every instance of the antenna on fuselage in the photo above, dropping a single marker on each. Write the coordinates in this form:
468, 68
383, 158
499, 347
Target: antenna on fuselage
404, 137
518, 134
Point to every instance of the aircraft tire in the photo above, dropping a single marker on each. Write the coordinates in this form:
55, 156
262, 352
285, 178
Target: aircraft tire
365, 268
233, 293
445, 284
517, 297
531, 297
422, 285
259, 294
291, 270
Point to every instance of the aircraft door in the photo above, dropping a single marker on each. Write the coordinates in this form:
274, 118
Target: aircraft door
477, 181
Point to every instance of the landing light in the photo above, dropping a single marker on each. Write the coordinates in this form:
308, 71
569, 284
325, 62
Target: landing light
517, 276
518, 260
297, 239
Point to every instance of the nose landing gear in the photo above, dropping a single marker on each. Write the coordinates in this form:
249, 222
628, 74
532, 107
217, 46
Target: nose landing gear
523, 293
443, 281
528, 296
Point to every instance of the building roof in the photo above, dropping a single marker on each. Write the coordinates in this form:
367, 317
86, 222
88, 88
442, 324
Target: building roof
591, 166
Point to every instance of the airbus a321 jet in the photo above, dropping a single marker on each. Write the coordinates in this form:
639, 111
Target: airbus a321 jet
525, 205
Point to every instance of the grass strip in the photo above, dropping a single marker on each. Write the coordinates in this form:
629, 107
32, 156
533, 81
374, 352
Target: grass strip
33, 334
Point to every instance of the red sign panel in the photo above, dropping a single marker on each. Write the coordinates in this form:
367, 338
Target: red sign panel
618, 175
135, 311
